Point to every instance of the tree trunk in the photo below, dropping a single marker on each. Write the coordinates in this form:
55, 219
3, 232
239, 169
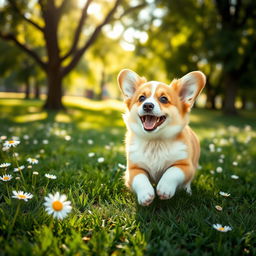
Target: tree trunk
27, 89
102, 83
54, 95
230, 91
210, 94
37, 91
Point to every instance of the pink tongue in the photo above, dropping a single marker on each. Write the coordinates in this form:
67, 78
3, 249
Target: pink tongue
150, 122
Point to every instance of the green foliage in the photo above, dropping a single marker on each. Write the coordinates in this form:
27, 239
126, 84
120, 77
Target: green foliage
106, 219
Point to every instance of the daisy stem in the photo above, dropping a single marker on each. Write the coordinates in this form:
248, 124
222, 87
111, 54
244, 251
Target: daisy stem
7, 189
21, 174
46, 185
14, 220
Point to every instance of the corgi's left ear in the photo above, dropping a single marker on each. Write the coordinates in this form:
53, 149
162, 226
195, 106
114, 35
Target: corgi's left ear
190, 86
129, 81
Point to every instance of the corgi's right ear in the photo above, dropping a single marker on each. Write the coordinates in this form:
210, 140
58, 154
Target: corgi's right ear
129, 82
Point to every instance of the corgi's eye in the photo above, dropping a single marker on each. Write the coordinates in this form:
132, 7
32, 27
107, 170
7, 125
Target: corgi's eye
142, 98
163, 99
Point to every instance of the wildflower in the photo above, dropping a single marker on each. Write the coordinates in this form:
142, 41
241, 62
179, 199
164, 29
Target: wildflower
212, 171
15, 154
219, 169
219, 149
107, 147
32, 160
224, 194
17, 178
50, 176
222, 156
4, 165
101, 159
235, 177
57, 205
121, 166
26, 137
21, 195
45, 142
29, 166
35, 173
221, 161
218, 208
220, 228
212, 147
5, 148
11, 143
3, 137
67, 138
19, 168
6, 177
42, 151
91, 154
90, 142
235, 163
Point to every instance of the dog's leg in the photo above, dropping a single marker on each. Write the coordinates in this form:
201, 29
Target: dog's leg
140, 184
171, 179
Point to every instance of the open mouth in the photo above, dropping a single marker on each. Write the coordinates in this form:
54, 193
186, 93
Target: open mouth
150, 123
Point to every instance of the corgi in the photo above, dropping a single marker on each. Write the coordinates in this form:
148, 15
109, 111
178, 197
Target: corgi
162, 150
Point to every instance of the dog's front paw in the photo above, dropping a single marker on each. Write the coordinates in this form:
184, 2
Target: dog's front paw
146, 196
165, 190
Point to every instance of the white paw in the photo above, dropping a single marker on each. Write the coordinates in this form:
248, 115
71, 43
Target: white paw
166, 190
146, 196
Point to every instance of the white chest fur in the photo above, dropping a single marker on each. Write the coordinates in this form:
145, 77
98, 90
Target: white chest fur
156, 156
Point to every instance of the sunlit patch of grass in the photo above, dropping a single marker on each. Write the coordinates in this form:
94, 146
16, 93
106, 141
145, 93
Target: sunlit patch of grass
30, 117
106, 219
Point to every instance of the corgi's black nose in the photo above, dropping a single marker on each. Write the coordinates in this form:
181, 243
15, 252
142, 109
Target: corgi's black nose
148, 107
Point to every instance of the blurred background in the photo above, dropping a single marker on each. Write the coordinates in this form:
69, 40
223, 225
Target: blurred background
55, 48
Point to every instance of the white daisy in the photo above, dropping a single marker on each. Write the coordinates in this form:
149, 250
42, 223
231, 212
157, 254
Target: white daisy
220, 228
235, 163
218, 208
11, 143
5, 148
219, 169
90, 142
4, 165
121, 166
3, 137
101, 159
6, 177
67, 138
224, 194
91, 154
21, 195
235, 177
19, 168
57, 205
50, 176
35, 173
212, 171
45, 142
32, 160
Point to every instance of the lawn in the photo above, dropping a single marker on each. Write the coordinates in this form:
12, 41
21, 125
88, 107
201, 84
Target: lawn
84, 148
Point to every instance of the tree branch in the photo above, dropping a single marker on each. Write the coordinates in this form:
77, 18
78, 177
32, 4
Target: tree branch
131, 9
33, 54
17, 10
78, 54
78, 30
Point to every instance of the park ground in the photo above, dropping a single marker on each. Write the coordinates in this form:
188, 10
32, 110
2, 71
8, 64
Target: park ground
105, 218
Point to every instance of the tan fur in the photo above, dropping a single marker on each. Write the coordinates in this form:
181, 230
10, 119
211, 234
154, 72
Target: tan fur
178, 110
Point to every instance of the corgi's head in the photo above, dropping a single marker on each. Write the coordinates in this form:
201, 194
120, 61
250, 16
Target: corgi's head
155, 109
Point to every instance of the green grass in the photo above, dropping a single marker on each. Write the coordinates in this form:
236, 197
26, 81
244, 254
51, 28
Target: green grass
106, 219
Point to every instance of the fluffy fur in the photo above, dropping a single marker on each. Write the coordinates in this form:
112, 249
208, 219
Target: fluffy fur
161, 148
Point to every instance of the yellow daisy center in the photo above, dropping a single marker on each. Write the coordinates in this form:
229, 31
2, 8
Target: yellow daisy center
11, 141
22, 196
57, 205
221, 229
6, 178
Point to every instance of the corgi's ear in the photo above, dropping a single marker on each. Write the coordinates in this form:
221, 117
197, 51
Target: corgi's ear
129, 81
190, 86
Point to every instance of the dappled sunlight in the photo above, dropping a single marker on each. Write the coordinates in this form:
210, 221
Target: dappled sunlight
30, 117
84, 103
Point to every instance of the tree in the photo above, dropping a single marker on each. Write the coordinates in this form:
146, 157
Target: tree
218, 37
46, 20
